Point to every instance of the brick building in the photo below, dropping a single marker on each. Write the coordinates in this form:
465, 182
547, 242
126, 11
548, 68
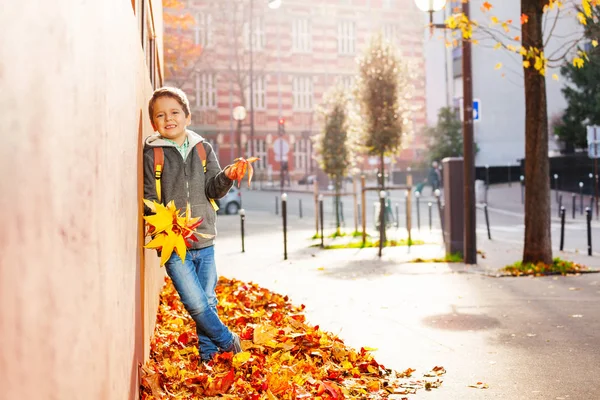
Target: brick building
299, 51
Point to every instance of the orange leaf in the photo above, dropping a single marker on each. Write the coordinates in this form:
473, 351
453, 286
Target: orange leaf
486, 6
524, 19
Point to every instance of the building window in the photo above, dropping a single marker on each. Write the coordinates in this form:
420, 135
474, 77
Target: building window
260, 150
258, 39
302, 93
203, 31
390, 32
347, 81
260, 93
206, 91
301, 35
346, 37
301, 151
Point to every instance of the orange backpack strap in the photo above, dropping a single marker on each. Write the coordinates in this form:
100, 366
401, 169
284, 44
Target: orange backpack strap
202, 154
159, 162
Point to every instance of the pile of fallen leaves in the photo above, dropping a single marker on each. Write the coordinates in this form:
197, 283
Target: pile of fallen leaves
558, 267
283, 357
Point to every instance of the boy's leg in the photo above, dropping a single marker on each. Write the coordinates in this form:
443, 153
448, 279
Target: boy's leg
186, 281
206, 269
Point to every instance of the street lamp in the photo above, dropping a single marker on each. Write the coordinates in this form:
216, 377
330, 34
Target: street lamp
239, 113
470, 240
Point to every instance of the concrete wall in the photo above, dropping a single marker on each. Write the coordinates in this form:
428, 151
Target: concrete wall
77, 305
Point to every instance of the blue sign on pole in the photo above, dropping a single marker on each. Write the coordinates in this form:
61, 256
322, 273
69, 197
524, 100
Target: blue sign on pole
476, 110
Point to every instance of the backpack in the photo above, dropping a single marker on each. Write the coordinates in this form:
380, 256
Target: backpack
159, 162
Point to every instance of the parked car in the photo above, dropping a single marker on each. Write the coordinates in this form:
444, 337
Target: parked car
307, 180
231, 202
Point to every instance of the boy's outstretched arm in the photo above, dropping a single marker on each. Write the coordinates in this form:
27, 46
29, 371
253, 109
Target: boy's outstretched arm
149, 181
217, 183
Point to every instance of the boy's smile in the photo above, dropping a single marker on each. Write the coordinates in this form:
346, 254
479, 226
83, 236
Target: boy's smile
170, 120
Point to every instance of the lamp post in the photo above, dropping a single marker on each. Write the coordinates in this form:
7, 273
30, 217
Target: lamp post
470, 239
239, 114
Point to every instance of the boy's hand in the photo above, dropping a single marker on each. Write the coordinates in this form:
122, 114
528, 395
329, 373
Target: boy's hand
228, 171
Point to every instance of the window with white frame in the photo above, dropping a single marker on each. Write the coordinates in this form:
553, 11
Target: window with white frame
260, 150
259, 91
206, 90
346, 81
346, 37
390, 32
258, 38
301, 35
302, 92
203, 30
301, 151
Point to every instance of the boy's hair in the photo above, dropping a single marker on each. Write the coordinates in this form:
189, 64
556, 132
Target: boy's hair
174, 93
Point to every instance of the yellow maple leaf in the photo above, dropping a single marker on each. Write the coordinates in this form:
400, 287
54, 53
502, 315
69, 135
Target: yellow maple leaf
555, 77
241, 358
495, 20
497, 46
578, 62
594, 43
581, 18
498, 66
526, 64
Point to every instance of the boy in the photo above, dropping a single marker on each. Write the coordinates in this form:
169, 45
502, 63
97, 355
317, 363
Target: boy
185, 180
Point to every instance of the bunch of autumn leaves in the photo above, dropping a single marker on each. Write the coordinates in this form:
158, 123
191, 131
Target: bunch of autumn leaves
171, 231
283, 357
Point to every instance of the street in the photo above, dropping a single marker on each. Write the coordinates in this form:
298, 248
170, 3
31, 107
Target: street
526, 338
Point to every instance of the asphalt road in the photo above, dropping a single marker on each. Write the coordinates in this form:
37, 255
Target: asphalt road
505, 215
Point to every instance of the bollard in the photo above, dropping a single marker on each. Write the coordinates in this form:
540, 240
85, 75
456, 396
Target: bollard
487, 181
588, 216
487, 220
562, 213
581, 197
429, 206
556, 187
574, 206
242, 221
397, 216
300, 207
592, 206
418, 195
559, 204
522, 179
342, 221
284, 218
321, 217
408, 227
439, 205
381, 221
276, 205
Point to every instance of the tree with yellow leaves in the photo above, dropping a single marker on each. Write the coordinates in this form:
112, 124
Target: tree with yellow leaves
529, 40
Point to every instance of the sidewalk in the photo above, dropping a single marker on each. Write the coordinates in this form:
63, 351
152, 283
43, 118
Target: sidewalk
398, 306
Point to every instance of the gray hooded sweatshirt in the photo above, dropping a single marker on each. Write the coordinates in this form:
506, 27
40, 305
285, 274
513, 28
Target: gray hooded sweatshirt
184, 181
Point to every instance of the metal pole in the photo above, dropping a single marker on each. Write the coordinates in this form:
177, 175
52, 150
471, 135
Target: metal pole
556, 186
581, 197
316, 197
381, 220
418, 211
397, 215
363, 209
284, 215
276, 205
429, 205
573, 197
355, 197
251, 75
470, 245
408, 222
321, 217
487, 221
522, 178
588, 216
300, 207
562, 228
559, 204
242, 221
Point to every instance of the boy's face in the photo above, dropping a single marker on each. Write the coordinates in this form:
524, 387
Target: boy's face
169, 119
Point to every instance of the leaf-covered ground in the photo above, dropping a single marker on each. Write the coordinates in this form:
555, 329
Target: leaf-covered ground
283, 357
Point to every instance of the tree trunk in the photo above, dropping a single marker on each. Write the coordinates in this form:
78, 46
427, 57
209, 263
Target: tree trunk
338, 187
382, 233
537, 245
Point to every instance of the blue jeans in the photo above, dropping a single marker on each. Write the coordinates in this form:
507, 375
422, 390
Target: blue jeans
195, 281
